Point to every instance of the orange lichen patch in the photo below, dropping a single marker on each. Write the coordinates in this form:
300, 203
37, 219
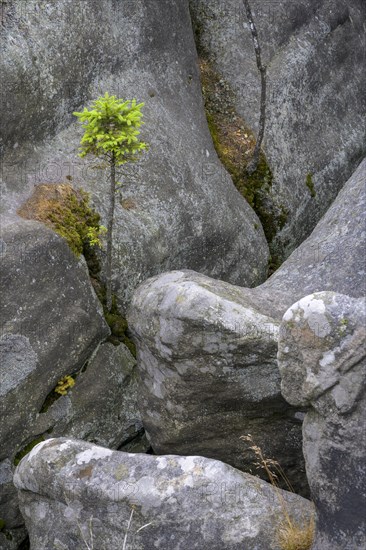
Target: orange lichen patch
44, 198
128, 204
85, 472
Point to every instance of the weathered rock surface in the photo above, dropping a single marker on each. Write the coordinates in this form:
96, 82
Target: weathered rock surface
179, 207
207, 349
51, 323
13, 540
315, 54
102, 406
322, 360
11, 520
92, 494
208, 369
332, 258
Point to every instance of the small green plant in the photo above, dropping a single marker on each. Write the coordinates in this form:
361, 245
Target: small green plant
111, 133
310, 184
290, 534
64, 385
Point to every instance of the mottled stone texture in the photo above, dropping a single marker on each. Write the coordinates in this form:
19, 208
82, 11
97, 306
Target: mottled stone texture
179, 207
51, 323
322, 360
102, 406
75, 495
208, 370
207, 349
314, 51
51, 326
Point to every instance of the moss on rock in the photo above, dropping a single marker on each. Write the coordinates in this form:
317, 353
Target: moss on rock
234, 143
27, 449
310, 185
68, 212
116, 322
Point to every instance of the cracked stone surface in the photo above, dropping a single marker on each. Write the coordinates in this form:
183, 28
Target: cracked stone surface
315, 54
322, 360
179, 207
89, 493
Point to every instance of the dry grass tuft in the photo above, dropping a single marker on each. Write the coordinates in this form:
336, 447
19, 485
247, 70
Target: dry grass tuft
290, 535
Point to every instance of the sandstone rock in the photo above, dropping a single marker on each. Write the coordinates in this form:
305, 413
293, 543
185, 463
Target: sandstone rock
179, 207
51, 322
95, 497
9, 510
102, 406
208, 372
332, 258
315, 94
322, 360
207, 349
14, 540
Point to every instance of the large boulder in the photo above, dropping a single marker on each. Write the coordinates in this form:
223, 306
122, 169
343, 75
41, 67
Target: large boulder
94, 497
50, 327
207, 349
332, 257
208, 370
179, 207
322, 360
315, 130
51, 323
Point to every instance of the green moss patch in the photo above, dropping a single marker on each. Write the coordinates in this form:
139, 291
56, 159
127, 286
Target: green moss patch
234, 143
68, 212
310, 185
27, 449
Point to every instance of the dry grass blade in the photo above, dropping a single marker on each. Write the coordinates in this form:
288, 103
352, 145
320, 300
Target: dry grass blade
290, 535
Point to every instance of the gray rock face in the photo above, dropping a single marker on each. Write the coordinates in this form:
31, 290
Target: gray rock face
332, 258
322, 361
102, 406
14, 543
92, 495
179, 207
208, 369
51, 324
207, 349
315, 56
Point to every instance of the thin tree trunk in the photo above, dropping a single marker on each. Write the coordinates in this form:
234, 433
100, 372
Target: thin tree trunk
252, 166
112, 198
